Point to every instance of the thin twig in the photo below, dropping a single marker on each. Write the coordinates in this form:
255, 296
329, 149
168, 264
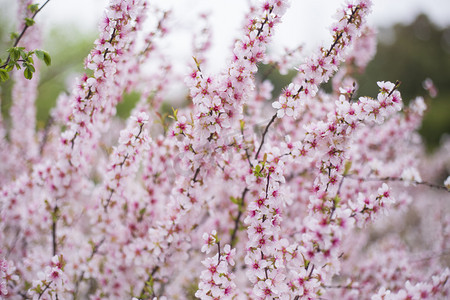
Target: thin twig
340, 34
266, 19
264, 135
54, 237
341, 287
150, 276
81, 278
238, 218
388, 178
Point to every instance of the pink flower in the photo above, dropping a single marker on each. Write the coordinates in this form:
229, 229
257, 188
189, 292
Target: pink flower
284, 106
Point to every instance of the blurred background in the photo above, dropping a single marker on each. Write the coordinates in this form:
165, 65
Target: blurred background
414, 43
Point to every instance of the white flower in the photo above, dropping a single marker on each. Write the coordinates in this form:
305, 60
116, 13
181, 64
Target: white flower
447, 183
411, 175
284, 107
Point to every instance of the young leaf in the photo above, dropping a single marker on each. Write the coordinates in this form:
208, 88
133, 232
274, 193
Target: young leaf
22, 53
9, 67
4, 75
39, 54
13, 64
30, 59
27, 73
348, 166
33, 7
14, 53
29, 22
14, 35
47, 59
234, 200
175, 114
44, 56
31, 67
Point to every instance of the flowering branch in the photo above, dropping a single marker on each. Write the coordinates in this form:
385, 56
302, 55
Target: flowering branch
405, 180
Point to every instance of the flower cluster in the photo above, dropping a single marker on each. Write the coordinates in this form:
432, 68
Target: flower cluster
52, 281
7, 276
319, 68
216, 282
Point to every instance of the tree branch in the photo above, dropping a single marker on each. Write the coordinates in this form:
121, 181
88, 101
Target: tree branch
264, 135
388, 178
238, 218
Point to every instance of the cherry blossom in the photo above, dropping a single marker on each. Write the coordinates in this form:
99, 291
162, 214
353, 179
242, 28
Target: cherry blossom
236, 192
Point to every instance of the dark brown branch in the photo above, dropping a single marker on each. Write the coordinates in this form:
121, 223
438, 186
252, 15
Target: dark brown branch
264, 135
54, 235
218, 252
113, 35
341, 287
339, 36
428, 184
196, 175
266, 19
267, 184
150, 276
397, 84
43, 291
80, 279
238, 218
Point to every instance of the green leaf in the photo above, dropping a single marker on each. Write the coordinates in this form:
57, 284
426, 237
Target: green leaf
39, 54
33, 7
175, 114
142, 211
27, 73
14, 53
348, 166
38, 289
44, 56
336, 200
4, 75
14, 64
10, 66
306, 263
14, 35
22, 53
29, 22
31, 67
235, 200
47, 59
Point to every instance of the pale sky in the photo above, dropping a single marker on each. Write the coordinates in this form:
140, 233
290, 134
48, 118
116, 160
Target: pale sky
306, 22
